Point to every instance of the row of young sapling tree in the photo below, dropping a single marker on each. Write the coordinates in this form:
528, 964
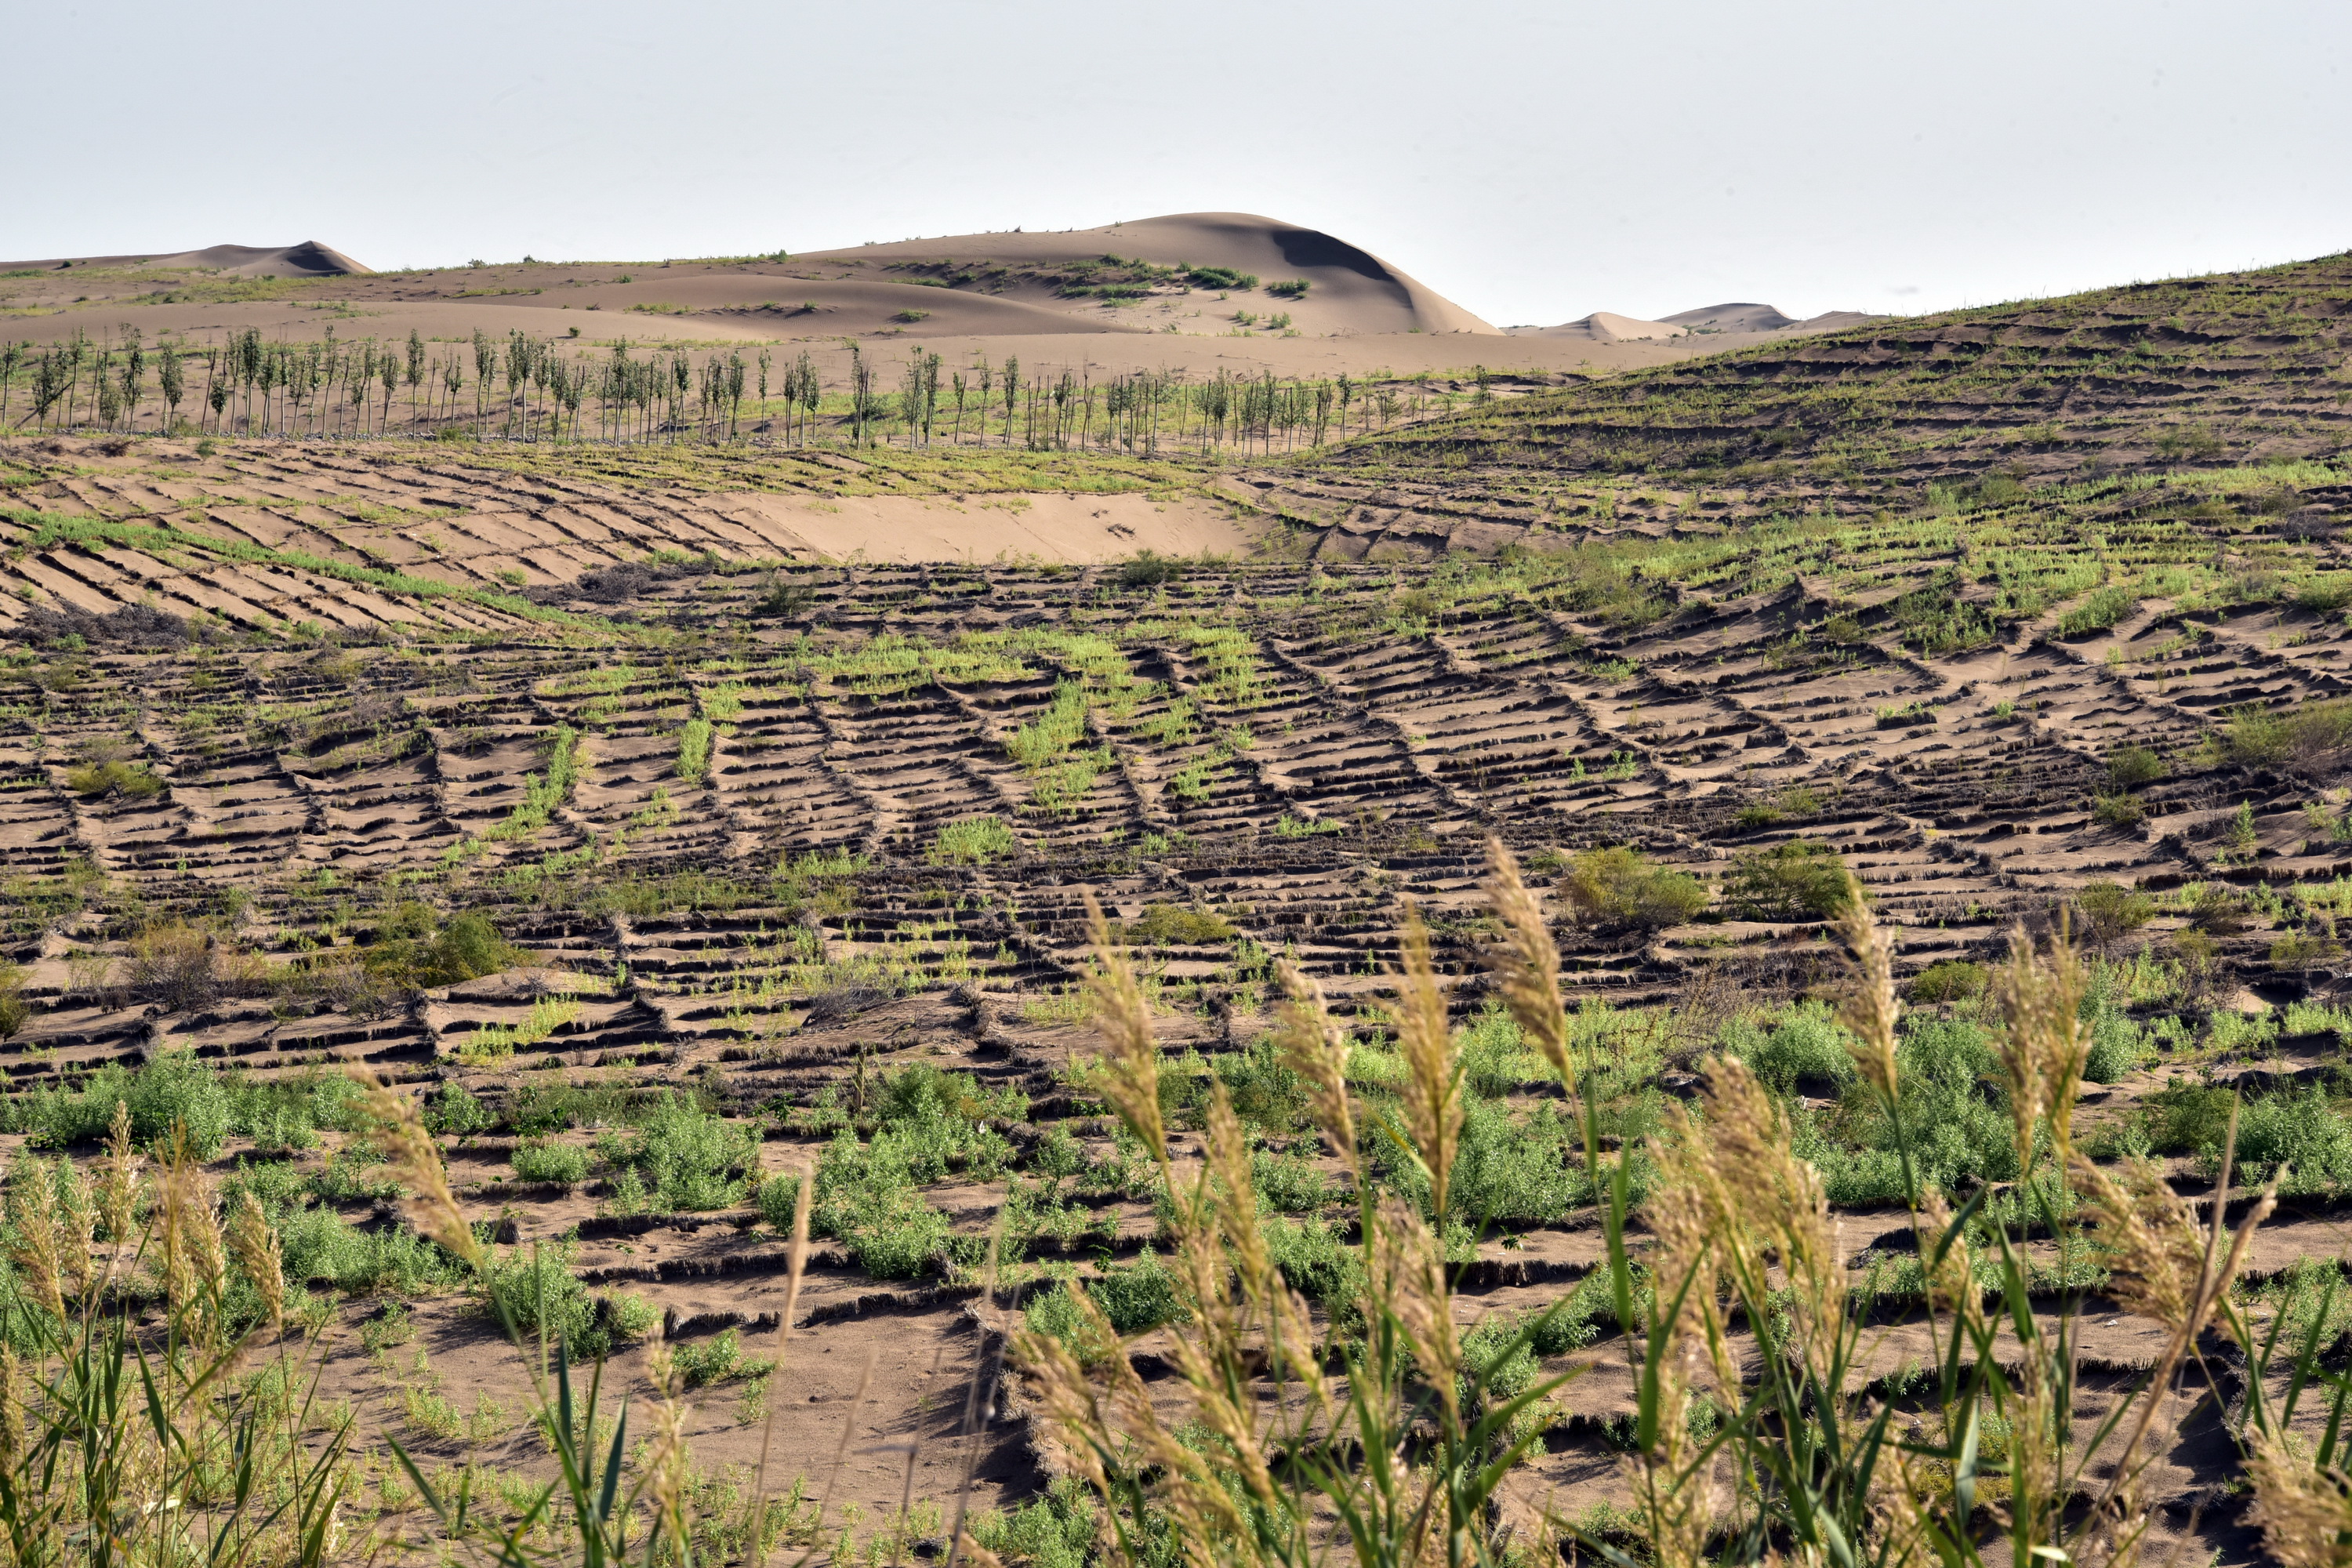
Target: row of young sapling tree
526, 388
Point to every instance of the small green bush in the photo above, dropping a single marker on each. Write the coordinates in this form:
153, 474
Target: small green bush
414, 950
2134, 767
2111, 909
972, 842
174, 1090
537, 1291
2118, 1047
454, 1113
1059, 1531
686, 1158
1807, 1045
2324, 593
1173, 925
1948, 979
630, 1316
2306, 735
2301, 1131
1149, 570
2118, 810
2101, 610
1791, 882
536, 1160
1620, 887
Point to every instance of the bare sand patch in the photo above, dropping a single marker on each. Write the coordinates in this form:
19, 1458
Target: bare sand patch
1065, 527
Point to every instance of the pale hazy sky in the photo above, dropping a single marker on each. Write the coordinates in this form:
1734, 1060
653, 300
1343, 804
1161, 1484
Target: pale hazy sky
1533, 162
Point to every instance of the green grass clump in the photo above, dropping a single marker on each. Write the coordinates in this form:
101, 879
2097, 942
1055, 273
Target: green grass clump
975, 841
537, 1160
682, 1157
536, 1292
174, 1090
694, 752
2303, 735
718, 1358
1805, 1046
414, 949
869, 1198
1173, 925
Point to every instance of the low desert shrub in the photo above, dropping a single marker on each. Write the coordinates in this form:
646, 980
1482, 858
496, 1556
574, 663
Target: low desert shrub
1790, 881
1948, 979
973, 842
2111, 909
537, 1160
2304, 735
1621, 886
684, 1157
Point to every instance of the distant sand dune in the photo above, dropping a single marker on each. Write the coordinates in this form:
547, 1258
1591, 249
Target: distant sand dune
307, 259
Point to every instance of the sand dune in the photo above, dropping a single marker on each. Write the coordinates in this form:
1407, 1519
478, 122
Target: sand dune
1349, 289
307, 259
1747, 320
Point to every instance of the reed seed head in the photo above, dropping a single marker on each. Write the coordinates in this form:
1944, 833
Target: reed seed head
1526, 962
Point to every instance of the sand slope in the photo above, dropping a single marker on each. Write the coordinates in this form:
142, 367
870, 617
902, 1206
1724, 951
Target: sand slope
1745, 319
307, 259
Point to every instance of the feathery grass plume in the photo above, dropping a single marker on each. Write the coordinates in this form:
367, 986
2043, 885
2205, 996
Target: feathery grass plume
12, 1407
260, 1255
796, 1264
74, 1221
1769, 1195
1871, 1009
117, 1190
1527, 960
1406, 1275
2304, 1512
1129, 1065
1314, 1048
2161, 1263
666, 1457
415, 1162
2045, 1045
1950, 1280
1432, 1071
32, 1234
1236, 1196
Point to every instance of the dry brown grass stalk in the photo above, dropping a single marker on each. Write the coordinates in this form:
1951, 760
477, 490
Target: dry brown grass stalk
416, 1161
1314, 1047
1129, 1064
1526, 962
1431, 1089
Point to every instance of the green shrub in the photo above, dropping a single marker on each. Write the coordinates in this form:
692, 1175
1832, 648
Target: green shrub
414, 950
2118, 810
1315, 1261
454, 1113
2306, 735
1057, 1530
1791, 882
777, 1198
718, 1359
687, 1158
536, 1160
2102, 609
2324, 593
537, 1291
630, 1316
2134, 767
2118, 1046
2300, 951
866, 1196
1806, 1045
1959, 1135
1948, 979
1138, 1297
2184, 1118
174, 1090
1288, 1184
1290, 287
1149, 570
2301, 1131
1620, 887
972, 842
2111, 909
1173, 925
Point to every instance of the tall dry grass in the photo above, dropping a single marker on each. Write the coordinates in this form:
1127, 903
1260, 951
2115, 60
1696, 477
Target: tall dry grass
1363, 1433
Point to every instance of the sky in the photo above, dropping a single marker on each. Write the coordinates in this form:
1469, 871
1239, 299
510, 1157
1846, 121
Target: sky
1532, 162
